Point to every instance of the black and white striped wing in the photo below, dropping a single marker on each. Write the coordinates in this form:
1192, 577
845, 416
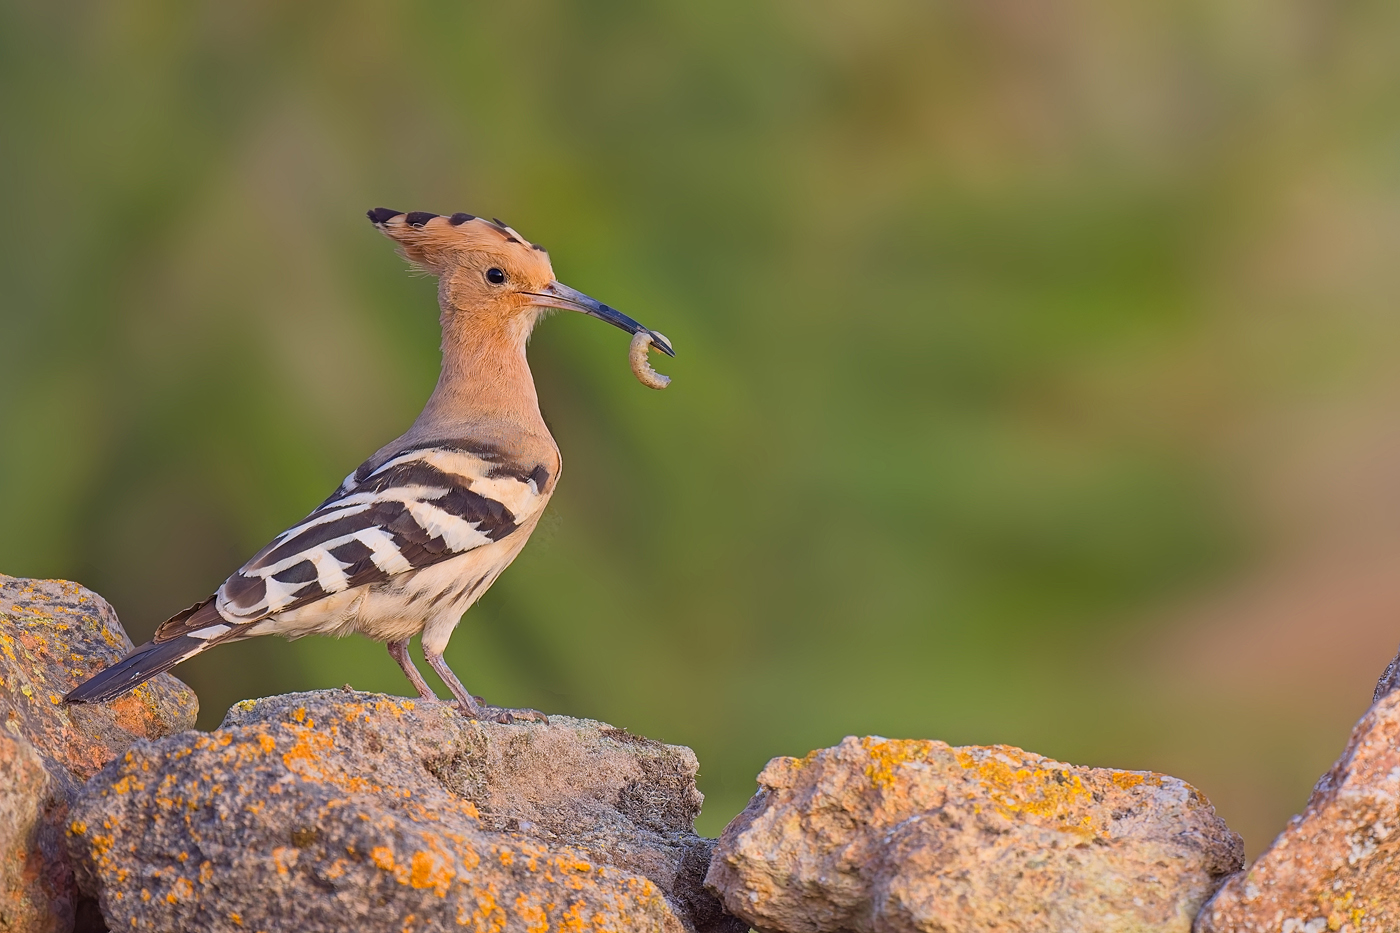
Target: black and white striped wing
418, 508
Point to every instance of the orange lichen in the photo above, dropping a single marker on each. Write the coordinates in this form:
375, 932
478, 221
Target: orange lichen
534, 916
182, 889
431, 870
307, 752
888, 755
489, 916
1126, 779
573, 920
126, 784
285, 858
1017, 786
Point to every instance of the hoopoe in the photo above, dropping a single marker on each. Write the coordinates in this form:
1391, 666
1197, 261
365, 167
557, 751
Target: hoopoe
413, 537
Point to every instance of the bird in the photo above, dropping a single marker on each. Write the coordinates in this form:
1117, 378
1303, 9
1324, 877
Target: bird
419, 531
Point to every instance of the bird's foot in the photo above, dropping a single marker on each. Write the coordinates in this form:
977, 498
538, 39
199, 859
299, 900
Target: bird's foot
488, 713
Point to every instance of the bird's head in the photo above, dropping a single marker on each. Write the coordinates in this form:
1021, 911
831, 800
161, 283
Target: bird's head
490, 276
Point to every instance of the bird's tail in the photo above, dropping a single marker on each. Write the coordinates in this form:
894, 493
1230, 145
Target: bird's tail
144, 662
179, 638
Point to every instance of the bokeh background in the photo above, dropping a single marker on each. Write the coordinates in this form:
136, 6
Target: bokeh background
1037, 378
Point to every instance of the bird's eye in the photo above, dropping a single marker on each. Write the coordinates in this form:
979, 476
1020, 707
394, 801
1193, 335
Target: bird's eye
495, 276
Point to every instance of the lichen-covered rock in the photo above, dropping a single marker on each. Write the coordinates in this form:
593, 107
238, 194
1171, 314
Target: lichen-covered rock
886, 835
53, 634
1337, 866
36, 889
340, 810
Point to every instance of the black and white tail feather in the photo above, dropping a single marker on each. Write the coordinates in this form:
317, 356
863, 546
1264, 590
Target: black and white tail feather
392, 517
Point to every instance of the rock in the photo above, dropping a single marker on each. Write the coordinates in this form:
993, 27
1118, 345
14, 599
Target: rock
340, 810
36, 887
895, 835
53, 634
1337, 866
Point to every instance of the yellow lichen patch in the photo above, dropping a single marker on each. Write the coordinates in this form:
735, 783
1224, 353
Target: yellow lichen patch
127, 784
1017, 786
489, 916
430, 870
235, 918
267, 742
1126, 779
300, 714
308, 751
887, 755
433, 868
77, 828
533, 915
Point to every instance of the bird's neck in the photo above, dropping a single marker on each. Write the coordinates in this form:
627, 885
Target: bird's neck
485, 386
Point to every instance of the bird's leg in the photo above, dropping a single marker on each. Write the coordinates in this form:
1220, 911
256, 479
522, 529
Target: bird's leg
472, 706
398, 650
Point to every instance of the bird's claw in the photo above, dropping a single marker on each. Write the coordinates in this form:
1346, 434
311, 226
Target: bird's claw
487, 713
508, 716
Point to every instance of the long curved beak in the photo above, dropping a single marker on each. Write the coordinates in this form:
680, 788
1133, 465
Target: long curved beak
558, 295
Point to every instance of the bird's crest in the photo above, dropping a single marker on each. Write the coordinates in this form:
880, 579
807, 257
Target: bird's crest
432, 240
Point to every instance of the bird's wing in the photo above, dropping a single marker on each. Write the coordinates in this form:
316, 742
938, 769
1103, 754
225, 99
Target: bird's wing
417, 508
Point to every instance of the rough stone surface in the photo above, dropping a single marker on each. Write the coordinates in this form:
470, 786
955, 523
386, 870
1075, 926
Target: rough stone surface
36, 889
53, 634
340, 810
895, 835
1336, 867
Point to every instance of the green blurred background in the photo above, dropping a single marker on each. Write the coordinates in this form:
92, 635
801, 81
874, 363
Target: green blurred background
1035, 384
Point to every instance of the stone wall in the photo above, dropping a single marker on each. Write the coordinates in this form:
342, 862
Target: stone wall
338, 810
